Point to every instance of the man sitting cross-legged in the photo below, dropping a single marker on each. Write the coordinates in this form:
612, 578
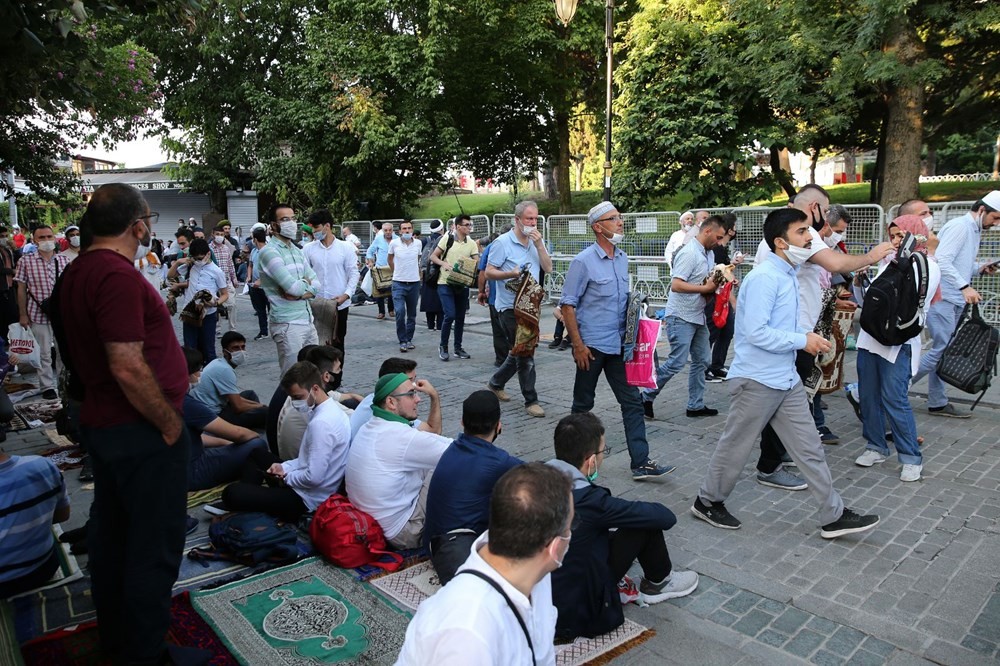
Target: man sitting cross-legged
218, 389
587, 590
300, 485
458, 500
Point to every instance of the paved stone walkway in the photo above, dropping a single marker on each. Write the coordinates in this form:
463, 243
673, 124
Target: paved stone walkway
923, 587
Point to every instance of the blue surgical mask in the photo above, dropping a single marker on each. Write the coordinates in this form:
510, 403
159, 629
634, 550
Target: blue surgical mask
319, 235
406, 237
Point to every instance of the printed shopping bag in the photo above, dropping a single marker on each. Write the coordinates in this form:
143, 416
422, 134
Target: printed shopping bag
21, 342
640, 370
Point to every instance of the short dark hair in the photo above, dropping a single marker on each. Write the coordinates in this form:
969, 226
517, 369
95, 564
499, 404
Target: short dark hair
199, 246
187, 233
229, 337
39, 228
577, 437
324, 356
480, 413
395, 365
729, 221
529, 507
318, 217
777, 222
219, 227
272, 213
303, 373
461, 218
713, 221
194, 359
304, 352
111, 210
259, 235
197, 229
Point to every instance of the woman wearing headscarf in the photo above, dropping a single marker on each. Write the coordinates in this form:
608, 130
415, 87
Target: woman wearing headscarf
884, 372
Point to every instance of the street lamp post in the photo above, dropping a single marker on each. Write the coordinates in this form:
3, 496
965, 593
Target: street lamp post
565, 9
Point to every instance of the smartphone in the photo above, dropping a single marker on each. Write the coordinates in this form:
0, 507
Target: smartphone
907, 245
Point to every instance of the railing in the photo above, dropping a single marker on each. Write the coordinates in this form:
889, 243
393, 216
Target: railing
958, 178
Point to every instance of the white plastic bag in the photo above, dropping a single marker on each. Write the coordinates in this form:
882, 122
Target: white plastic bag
366, 283
22, 344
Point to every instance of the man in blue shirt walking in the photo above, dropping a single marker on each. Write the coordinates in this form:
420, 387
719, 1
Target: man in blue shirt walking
766, 388
594, 301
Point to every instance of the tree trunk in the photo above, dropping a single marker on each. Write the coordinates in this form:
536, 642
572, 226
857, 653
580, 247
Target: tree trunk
562, 163
579, 175
930, 164
904, 130
780, 172
850, 166
996, 161
812, 166
879, 170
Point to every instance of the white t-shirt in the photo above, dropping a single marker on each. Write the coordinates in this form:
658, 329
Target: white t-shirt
405, 260
386, 468
469, 623
675, 243
810, 274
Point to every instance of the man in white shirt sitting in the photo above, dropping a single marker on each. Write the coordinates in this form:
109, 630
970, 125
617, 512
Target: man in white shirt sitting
498, 607
390, 463
300, 485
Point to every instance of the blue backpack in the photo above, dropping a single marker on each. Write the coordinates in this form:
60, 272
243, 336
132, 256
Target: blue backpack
250, 539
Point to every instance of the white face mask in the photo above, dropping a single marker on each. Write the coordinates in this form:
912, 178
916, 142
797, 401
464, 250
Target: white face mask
238, 358
929, 221
301, 406
406, 237
143, 249
47, 246
616, 238
319, 235
797, 255
74, 241
289, 229
833, 239
219, 240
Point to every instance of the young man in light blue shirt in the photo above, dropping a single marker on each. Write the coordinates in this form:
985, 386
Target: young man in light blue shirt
766, 388
956, 256
594, 302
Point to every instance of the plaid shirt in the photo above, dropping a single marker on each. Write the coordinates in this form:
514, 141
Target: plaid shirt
223, 255
39, 276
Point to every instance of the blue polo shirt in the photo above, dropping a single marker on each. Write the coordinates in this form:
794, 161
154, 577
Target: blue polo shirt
494, 284
597, 286
508, 254
459, 494
218, 380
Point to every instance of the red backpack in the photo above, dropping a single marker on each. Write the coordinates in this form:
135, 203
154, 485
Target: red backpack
349, 537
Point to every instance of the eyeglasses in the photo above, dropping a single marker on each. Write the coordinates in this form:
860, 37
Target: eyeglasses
606, 451
408, 394
613, 218
152, 217
288, 219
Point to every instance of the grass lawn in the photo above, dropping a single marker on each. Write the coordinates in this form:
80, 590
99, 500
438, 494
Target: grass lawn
447, 206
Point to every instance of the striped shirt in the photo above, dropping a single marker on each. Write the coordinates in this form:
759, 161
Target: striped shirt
284, 270
32, 489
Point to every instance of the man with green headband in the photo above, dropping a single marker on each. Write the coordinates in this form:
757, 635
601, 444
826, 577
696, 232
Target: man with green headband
390, 463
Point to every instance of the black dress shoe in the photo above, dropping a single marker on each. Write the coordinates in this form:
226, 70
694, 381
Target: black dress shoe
647, 410
704, 411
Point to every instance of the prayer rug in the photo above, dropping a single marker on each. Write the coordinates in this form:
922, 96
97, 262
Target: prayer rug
65, 457
68, 571
80, 645
310, 612
198, 574
57, 439
42, 612
34, 413
17, 423
411, 556
412, 585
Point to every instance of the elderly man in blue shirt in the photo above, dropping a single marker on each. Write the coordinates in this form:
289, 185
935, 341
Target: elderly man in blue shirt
956, 256
594, 302
766, 388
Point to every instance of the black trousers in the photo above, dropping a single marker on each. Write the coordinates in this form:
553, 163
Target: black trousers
255, 419
646, 546
249, 493
771, 448
136, 535
500, 345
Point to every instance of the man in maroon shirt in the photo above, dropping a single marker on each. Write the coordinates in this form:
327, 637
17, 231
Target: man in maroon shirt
122, 348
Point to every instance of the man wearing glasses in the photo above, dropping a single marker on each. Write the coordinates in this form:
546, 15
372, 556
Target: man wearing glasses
288, 282
594, 301
390, 463
125, 354
591, 586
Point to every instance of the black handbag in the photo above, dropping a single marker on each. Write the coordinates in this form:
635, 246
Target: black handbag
969, 362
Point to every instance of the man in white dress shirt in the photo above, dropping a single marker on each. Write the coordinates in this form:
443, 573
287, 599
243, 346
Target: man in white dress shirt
498, 607
336, 265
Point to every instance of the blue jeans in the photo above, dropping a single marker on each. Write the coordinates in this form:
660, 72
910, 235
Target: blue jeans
221, 464
455, 302
404, 303
522, 366
941, 321
686, 339
883, 387
202, 337
585, 386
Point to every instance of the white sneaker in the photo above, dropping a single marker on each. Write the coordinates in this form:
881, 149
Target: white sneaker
677, 584
911, 472
869, 458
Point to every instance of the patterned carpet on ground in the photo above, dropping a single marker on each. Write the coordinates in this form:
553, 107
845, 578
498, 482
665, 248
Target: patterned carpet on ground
38, 412
310, 612
79, 646
412, 585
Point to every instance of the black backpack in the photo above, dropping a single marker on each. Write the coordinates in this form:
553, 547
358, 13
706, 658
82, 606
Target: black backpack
893, 307
969, 362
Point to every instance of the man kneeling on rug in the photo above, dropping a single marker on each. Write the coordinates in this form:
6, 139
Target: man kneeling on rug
591, 586
498, 607
34, 497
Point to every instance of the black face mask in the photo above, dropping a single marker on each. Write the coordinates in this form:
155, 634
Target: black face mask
817, 221
497, 436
